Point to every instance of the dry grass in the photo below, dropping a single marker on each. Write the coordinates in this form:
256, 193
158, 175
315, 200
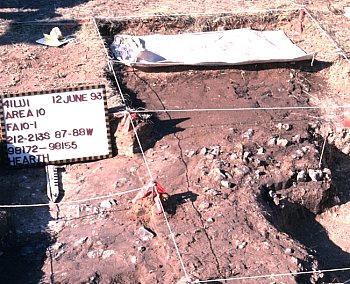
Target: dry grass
339, 78
103, 8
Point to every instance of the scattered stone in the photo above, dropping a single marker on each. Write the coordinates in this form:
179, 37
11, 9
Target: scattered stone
314, 124
217, 174
203, 151
315, 175
289, 251
274, 197
213, 192
294, 260
93, 254
298, 154
272, 142
261, 165
331, 138
106, 204
191, 153
215, 151
107, 253
57, 246
305, 149
146, 234
347, 12
133, 259
82, 241
228, 175
242, 170
338, 141
261, 151
301, 176
296, 138
95, 278
248, 134
346, 149
204, 205
242, 245
282, 142
55, 226
246, 155
279, 126
226, 183
163, 147
284, 126
336, 199
287, 126
238, 150
327, 174
59, 254
234, 156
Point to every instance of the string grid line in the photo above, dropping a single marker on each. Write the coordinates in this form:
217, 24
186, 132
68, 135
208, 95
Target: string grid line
72, 201
342, 53
240, 109
167, 222
144, 157
110, 66
272, 275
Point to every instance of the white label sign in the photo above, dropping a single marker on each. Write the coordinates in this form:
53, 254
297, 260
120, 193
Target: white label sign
56, 127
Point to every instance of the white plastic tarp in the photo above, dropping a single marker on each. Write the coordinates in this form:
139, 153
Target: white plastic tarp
230, 47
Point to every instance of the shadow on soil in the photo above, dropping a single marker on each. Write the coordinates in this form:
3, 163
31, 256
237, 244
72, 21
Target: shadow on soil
160, 127
301, 224
20, 10
304, 66
175, 200
17, 11
339, 164
24, 240
293, 218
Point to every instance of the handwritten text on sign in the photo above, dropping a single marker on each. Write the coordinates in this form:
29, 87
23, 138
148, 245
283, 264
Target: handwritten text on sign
53, 127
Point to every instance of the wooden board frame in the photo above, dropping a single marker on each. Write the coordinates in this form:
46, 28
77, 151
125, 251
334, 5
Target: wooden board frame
4, 141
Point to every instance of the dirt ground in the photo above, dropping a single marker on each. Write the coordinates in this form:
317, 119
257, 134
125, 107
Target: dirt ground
252, 194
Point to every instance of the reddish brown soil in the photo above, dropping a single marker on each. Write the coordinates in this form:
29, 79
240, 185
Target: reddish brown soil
221, 231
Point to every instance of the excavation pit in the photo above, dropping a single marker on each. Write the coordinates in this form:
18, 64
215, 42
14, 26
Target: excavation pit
229, 144
249, 127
